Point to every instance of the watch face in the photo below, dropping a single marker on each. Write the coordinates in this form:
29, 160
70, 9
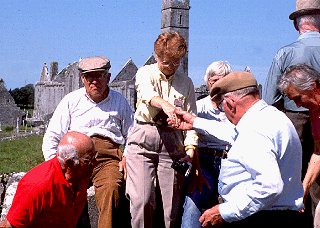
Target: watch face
178, 103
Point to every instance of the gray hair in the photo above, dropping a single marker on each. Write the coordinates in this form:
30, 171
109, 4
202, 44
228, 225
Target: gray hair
300, 76
68, 151
244, 91
313, 19
220, 68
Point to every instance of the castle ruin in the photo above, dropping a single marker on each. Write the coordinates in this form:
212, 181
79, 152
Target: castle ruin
53, 86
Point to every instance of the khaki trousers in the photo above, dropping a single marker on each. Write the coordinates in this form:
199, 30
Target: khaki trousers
109, 185
150, 152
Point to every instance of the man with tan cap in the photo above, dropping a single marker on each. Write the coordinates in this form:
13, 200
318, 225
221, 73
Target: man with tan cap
106, 117
260, 180
306, 50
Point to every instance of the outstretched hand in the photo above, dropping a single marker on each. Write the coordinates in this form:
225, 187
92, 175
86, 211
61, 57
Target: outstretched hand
211, 217
181, 120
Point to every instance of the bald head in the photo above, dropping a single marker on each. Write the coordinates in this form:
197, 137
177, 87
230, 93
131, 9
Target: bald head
75, 145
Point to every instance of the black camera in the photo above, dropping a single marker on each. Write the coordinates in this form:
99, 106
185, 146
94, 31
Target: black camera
182, 167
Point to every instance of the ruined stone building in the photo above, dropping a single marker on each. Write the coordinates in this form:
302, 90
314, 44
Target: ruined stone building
9, 111
53, 86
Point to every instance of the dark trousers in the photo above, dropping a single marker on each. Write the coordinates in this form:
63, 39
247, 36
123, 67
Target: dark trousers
301, 121
270, 219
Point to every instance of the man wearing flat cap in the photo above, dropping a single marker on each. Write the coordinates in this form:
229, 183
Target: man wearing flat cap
105, 116
260, 180
306, 50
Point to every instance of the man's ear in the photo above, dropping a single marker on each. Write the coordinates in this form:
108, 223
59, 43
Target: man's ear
108, 76
230, 103
82, 78
315, 85
295, 24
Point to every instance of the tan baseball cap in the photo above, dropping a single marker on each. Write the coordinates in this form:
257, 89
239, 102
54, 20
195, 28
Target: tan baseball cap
97, 63
233, 81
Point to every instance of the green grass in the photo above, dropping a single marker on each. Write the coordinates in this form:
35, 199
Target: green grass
20, 155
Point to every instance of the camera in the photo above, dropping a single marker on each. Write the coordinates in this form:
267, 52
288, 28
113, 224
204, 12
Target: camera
182, 167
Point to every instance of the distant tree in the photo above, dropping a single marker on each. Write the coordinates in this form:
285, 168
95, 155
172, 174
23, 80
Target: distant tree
24, 96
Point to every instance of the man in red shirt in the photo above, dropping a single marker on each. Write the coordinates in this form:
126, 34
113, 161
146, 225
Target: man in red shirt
54, 193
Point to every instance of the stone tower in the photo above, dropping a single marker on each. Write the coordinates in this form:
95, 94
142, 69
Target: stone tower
44, 73
53, 70
175, 17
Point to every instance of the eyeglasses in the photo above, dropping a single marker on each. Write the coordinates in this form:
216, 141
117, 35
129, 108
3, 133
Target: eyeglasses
94, 75
89, 161
174, 63
220, 106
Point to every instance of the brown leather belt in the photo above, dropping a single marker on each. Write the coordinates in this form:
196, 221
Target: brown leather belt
146, 123
213, 152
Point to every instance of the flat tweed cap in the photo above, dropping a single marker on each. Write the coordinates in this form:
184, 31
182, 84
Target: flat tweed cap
234, 81
305, 7
97, 63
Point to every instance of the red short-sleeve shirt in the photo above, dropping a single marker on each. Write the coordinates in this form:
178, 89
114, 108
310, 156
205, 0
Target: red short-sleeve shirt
315, 124
45, 199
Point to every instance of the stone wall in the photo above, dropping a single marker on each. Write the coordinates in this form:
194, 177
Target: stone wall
47, 96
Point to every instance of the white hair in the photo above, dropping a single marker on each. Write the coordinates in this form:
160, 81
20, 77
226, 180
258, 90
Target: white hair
309, 20
300, 76
220, 68
68, 151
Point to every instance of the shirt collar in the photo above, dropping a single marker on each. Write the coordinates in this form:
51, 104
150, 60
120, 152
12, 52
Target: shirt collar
309, 34
250, 114
88, 97
163, 76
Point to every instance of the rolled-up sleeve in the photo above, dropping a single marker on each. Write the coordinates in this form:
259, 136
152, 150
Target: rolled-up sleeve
58, 126
190, 106
144, 86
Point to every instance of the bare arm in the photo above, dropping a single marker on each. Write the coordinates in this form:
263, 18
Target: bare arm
158, 102
5, 223
313, 169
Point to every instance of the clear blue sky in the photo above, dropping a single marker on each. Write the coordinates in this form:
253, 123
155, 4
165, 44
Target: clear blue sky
242, 32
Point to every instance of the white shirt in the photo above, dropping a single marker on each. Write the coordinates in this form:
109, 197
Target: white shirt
111, 118
208, 134
263, 168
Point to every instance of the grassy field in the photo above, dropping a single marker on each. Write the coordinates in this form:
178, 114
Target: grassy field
20, 155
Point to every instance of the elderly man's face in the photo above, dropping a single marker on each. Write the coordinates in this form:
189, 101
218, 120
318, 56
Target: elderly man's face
96, 84
306, 98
